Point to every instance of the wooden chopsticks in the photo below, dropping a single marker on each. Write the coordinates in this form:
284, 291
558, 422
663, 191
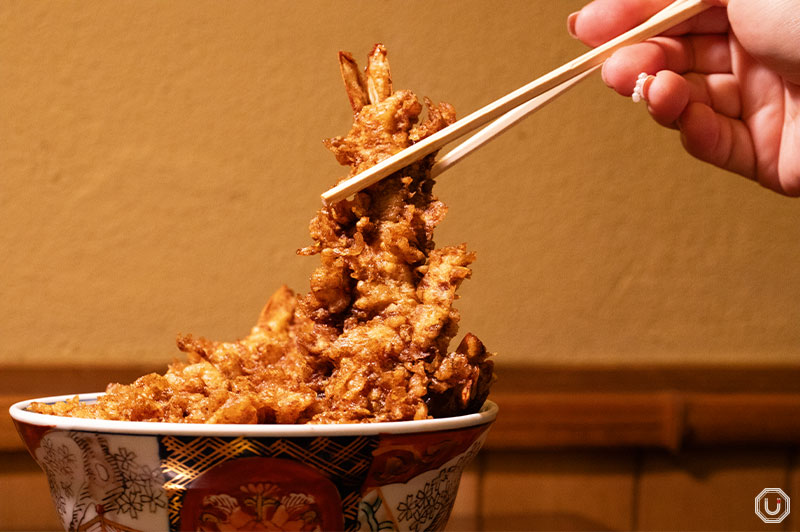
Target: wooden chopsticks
504, 123
672, 15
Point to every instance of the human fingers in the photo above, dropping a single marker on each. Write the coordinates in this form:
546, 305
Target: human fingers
770, 32
719, 140
714, 20
699, 53
603, 20
668, 94
727, 142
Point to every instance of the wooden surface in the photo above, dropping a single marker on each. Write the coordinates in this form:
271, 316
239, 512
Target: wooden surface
573, 449
554, 491
708, 489
25, 502
665, 407
647, 490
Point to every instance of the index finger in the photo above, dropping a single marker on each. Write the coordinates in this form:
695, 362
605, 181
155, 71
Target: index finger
602, 20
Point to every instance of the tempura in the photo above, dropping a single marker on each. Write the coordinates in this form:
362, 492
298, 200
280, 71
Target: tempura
370, 341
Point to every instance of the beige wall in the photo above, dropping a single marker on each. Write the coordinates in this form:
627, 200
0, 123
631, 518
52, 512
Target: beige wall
159, 163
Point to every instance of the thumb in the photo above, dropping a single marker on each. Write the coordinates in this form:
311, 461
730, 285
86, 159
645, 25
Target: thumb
769, 31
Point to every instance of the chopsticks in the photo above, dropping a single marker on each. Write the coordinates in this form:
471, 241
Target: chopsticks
504, 123
670, 16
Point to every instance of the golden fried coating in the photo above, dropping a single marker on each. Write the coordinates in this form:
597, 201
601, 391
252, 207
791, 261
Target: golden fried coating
369, 342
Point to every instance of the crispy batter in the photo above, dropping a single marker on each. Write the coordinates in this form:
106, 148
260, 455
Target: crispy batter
369, 342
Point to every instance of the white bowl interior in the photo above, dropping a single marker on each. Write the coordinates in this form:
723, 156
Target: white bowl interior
20, 413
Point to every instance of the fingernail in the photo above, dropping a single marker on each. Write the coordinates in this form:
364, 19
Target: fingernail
571, 20
603, 74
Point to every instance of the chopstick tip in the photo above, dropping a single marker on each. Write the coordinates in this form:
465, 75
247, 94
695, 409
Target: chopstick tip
332, 196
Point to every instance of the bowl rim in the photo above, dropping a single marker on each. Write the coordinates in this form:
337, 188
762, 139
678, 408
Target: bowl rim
19, 413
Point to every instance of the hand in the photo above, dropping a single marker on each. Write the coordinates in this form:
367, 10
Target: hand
728, 79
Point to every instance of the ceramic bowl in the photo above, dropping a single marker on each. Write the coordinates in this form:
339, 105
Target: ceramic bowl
123, 475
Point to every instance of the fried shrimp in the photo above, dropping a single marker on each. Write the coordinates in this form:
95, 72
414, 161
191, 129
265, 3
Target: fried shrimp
369, 342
